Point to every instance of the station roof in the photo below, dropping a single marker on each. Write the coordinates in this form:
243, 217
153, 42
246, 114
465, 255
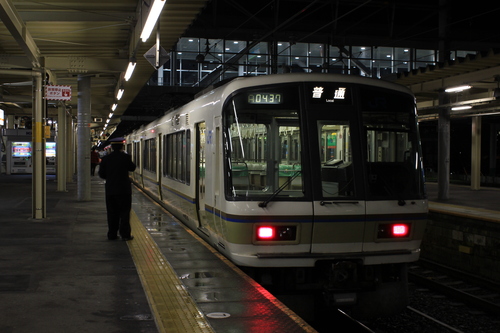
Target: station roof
97, 38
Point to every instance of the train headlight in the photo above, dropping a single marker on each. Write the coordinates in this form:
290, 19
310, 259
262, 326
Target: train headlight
275, 233
393, 230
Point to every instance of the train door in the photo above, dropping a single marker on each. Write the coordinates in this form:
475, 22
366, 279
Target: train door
200, 173
159, 158
216, 178
141, 162
137, 160
339, 214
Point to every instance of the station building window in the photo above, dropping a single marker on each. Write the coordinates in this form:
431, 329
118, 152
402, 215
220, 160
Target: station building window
424, 58
185, 67
402, 59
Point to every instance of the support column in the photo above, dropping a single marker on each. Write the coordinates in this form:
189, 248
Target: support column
443, 149
161, 73
475, 177
173, 68
493, 152
10, 122
83, 139
70, 149
61, 149
38, 153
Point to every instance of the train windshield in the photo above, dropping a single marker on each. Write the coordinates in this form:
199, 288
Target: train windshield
264, 141
393, 159
362, 143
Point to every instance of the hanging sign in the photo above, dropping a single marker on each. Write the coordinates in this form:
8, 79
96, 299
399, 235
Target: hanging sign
58, 93
157, 57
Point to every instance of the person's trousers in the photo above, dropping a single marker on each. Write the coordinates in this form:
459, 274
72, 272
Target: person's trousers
118, 208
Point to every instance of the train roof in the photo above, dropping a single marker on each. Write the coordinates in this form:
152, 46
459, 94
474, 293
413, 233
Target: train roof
225, 88
249, 81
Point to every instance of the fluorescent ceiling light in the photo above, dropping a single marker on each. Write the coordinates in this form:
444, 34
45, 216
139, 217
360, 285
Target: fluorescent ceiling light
119, 94
458, 89
113, 107
110, 115
130, 70
153, 15
464, 107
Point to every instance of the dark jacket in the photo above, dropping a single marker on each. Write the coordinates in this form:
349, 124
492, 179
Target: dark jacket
115, 168
94, 157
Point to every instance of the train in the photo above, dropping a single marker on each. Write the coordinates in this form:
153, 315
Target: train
305, 181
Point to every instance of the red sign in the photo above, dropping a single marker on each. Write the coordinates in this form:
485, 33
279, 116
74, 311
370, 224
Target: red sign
58, 93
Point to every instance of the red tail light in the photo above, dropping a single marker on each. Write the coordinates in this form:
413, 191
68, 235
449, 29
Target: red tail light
394, 230
400, 230
276, 233
265, 233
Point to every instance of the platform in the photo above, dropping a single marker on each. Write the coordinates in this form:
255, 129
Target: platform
482, 204
61, 274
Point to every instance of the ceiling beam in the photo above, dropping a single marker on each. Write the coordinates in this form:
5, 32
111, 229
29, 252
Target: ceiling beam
12, 20
436, 85
84, 65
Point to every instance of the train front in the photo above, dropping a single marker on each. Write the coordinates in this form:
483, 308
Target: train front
325, 188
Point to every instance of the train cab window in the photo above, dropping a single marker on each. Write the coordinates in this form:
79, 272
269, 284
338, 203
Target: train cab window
391, 146
337, 176
263, 150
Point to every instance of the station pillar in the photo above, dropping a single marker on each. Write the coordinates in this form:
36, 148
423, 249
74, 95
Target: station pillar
493, 152
61, 148
475, 177
38, 152
443, 149
70, 148
83, 138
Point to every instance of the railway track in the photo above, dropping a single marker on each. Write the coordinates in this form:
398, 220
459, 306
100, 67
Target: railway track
442, 301
477, 293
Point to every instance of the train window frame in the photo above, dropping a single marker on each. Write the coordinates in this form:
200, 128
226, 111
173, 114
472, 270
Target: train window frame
177, 156
136, 154
337, 173
390, 144
266, 118
149, 155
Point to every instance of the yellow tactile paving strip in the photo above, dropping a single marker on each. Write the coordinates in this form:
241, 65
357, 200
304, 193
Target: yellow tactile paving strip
173, 308
277, 303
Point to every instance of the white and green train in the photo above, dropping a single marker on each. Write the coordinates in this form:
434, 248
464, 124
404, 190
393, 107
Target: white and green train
304, 180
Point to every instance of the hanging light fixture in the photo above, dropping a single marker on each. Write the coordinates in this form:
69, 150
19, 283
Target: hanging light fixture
153, 15
457, 89
119, 93
463, 107
130, 69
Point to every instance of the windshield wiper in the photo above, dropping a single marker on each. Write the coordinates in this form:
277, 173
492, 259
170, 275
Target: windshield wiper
278, 191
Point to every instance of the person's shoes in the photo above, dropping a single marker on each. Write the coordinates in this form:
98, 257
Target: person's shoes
127, 238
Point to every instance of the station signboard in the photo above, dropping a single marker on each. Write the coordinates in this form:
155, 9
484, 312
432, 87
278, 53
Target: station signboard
58, 93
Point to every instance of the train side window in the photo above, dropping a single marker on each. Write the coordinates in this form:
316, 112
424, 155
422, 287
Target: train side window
337, 176
177, 158
149, 155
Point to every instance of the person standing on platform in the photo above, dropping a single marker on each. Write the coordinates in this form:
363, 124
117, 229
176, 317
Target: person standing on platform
114, 168
94, 160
